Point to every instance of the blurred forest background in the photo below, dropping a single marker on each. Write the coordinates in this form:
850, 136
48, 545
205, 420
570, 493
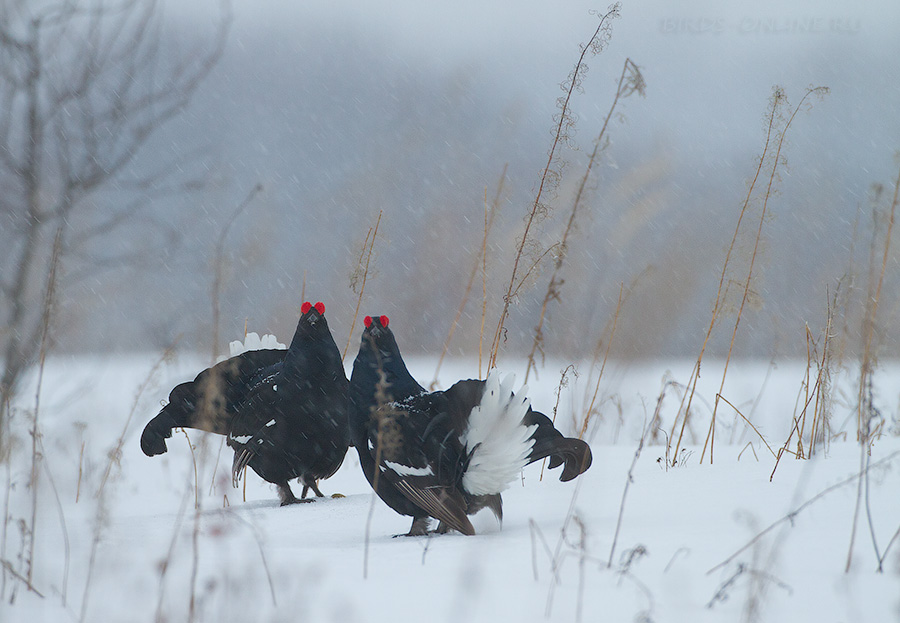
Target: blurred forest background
315, 117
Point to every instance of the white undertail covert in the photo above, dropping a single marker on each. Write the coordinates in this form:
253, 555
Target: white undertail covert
500, 440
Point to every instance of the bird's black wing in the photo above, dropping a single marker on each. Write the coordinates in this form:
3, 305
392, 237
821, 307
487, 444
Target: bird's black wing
419, 455
446, 504
257, 424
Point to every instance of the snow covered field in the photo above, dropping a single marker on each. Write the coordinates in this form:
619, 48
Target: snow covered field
119, 541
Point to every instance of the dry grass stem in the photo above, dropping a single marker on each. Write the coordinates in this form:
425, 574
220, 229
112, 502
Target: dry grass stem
749, 423
777, 103
563, 382
633, 84
36, 454
368, 246
628, 480
549, 176
490, 215
116, 453
866, 411
483, 288
688, 397
711, 435
870, 320
615, 320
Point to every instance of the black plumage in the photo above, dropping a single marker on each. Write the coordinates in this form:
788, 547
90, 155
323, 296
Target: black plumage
417, 448
284, 411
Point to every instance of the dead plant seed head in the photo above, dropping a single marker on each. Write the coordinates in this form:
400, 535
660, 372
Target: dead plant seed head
549, 182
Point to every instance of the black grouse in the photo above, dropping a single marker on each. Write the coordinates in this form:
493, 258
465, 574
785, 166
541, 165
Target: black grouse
284, 411
445, 454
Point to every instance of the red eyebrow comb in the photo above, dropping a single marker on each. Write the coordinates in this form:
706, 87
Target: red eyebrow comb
305, 307
320, 307
367, 321
384, 321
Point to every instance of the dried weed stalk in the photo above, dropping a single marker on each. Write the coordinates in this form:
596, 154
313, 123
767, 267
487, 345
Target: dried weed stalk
360, 275
550, 177
630, 81
867, 413
589, 414
775, 135
490, 213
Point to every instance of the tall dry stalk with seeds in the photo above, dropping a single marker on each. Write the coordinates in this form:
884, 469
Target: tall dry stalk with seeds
866, 411
775, 136
711, 435
630, 82
360, 275
565, 121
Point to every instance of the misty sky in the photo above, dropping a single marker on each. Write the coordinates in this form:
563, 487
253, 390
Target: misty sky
343, 109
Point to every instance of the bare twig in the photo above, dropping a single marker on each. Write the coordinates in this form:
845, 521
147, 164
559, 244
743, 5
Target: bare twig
722, 593
629, 479
536, 533
793, 514
887, 548
12, 571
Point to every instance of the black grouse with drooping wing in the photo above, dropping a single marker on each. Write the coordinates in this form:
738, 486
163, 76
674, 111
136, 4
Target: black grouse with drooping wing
416, 448
285, 419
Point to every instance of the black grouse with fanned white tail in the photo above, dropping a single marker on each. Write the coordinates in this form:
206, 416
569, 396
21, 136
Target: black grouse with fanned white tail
284, 412
445, 454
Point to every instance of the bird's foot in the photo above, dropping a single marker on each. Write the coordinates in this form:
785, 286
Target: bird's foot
419, 527
296, 501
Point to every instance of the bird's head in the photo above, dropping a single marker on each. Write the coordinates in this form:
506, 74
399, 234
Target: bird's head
380, 355
378, 340
311, 314
312, 325
376, 326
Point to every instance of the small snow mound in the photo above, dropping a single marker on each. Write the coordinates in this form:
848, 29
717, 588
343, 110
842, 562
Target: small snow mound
252, 341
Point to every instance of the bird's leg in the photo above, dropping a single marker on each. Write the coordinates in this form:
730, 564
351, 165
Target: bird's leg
287, 496
310, 484
314, 486
419, 527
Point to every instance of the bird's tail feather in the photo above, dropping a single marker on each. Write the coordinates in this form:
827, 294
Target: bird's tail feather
153, 439
575, 453
241, 460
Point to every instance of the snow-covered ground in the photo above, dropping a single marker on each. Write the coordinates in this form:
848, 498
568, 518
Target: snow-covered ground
116, 537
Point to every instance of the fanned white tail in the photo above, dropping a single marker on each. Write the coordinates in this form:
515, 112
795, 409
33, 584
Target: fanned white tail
500, 441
